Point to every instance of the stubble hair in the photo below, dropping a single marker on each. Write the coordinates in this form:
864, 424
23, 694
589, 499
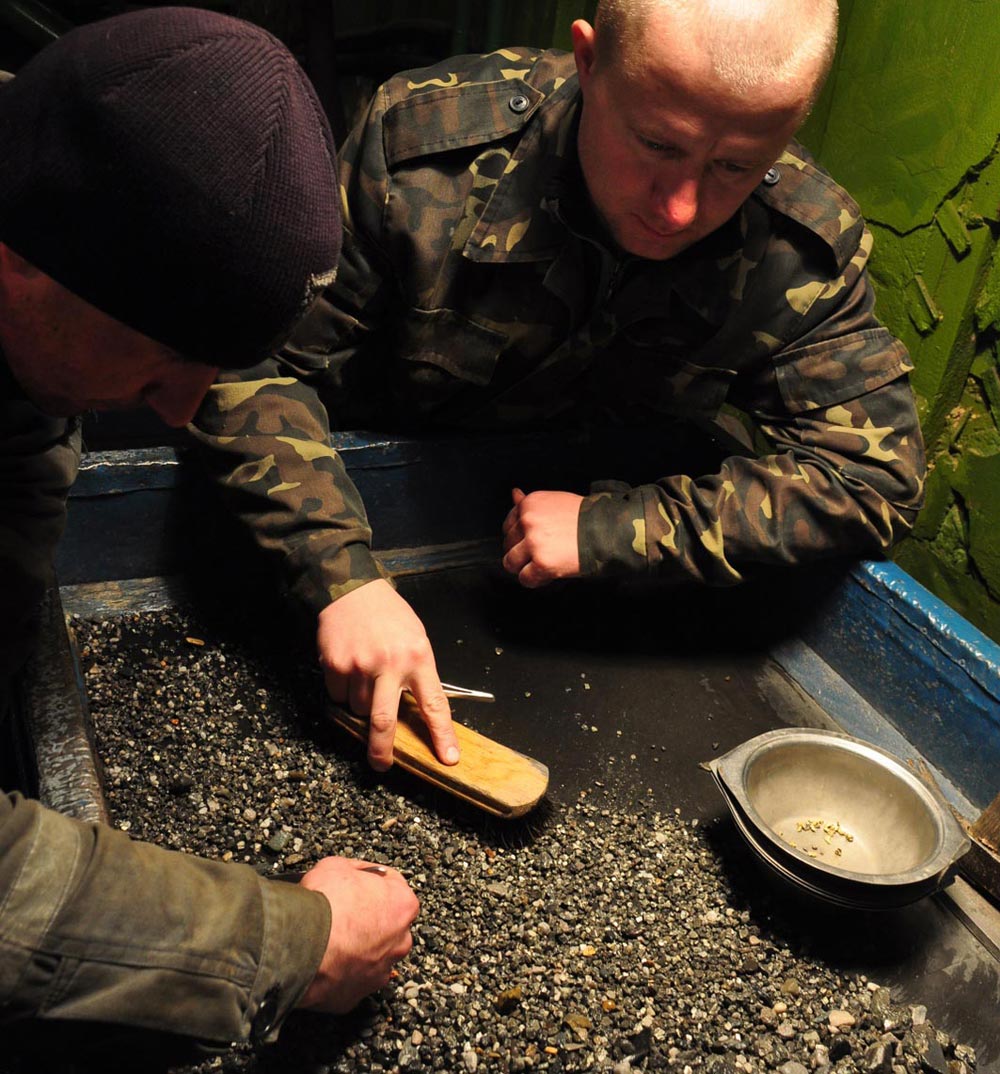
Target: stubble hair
751, 44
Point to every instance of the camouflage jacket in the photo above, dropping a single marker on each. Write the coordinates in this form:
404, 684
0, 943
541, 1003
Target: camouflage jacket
93, 925
475, 291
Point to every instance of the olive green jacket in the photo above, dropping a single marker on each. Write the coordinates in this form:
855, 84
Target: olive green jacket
476, 290
94, 925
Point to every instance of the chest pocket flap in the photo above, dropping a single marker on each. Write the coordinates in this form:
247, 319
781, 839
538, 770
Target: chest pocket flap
451, 342
456, 118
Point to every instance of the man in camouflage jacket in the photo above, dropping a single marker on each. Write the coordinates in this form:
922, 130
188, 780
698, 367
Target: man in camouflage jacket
627, 230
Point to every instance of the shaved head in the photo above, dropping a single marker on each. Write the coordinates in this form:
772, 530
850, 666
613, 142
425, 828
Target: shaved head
749, 44
685, 106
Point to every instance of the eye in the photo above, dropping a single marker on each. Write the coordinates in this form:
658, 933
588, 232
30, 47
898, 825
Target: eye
657, 147
731, 167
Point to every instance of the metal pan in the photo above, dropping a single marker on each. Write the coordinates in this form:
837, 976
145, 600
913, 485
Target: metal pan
840, 818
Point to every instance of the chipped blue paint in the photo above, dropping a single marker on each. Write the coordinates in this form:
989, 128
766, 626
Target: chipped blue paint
919, 664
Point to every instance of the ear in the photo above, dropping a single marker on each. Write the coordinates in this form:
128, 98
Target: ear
584, 51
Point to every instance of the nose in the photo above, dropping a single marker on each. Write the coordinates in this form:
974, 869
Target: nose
178, 395
676, 203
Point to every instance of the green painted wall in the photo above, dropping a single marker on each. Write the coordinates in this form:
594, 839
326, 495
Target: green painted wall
909, 123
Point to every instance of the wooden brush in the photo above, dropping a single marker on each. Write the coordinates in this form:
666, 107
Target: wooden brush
490, 776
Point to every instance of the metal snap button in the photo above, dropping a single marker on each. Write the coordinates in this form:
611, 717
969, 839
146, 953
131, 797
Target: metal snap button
518, 103
263, 1020
773, 176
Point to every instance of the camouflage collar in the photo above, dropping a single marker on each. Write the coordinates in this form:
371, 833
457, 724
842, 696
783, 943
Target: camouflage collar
516, 224
701, 276
524, 217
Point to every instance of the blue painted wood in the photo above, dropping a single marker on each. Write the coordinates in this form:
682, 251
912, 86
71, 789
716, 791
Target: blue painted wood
926, 669
105, 473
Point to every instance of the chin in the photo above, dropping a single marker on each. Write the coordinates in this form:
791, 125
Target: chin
652, 249
636, 239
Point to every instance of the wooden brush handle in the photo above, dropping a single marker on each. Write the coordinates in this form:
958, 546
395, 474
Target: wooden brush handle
489, 775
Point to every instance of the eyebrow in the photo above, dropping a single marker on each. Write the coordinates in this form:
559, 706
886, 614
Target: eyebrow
742, 156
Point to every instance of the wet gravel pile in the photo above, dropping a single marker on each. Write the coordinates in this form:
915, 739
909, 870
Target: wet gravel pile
590, 939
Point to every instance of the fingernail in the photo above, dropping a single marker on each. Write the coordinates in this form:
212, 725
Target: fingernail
451, 755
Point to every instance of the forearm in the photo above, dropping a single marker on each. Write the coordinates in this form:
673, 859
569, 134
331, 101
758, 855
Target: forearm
267, 434
845, 480
97, 927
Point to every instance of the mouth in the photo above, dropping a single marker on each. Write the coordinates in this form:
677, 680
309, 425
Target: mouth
663, 236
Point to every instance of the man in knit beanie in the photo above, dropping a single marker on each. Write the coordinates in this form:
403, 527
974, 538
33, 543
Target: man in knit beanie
168, 206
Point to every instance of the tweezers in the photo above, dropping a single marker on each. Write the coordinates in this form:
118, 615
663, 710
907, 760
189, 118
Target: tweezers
464, 691
460, 691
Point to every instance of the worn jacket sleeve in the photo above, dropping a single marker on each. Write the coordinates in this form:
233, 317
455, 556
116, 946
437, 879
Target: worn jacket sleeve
266, 433
95, 926
38, 462
841, 467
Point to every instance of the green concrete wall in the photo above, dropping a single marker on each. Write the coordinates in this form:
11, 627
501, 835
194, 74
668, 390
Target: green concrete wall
909, 123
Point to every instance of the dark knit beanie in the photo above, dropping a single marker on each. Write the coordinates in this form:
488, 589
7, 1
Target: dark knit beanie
174, 168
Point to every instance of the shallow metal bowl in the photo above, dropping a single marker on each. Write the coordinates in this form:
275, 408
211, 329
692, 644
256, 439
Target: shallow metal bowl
840, 818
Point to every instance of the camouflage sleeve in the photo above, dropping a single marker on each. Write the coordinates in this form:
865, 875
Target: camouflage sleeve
269, 449
38, 463
266, 433
841, 472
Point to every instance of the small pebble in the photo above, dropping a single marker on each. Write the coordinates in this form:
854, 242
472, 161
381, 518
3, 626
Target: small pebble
841, 1019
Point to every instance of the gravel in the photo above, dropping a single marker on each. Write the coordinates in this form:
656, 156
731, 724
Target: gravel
589, 938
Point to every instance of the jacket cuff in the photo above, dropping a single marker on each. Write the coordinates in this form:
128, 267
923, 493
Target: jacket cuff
296, 930
611, 533
97, 927
329, 578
